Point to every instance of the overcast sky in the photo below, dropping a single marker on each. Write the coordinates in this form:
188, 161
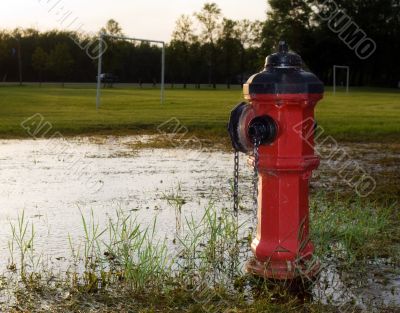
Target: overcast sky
152, 19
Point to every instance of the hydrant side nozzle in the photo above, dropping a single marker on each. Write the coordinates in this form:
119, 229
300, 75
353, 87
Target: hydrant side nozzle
263, 129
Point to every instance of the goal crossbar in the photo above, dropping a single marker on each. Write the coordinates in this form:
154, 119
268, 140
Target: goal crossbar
99, 65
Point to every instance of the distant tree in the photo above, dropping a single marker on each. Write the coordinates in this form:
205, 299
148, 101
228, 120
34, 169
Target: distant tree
289, 20
203, 49
197, 64
229, 45
300, 23
249, 34
112, 61
4, 54
294, 21
17, 35
40, 62
380, 21
112, 28
210, 20
182, 37
183, 29
61, 61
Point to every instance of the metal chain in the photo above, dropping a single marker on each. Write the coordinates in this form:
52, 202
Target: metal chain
236, 183
256, 144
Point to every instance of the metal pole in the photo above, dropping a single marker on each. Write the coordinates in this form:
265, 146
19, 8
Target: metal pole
132, 38
19, 61
99, 72
334, 79
348, 79
162, 73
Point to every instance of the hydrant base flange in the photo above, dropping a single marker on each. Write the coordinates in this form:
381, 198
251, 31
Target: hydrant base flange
282, 270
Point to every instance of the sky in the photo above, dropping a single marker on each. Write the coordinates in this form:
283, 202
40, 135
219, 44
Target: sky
150, 19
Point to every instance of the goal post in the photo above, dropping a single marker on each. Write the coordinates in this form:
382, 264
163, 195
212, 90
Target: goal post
347, 68
100, 60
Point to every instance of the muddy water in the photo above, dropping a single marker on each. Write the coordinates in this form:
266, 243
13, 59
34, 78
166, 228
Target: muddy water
53, 181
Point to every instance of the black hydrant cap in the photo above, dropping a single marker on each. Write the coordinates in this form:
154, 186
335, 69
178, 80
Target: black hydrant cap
283, 58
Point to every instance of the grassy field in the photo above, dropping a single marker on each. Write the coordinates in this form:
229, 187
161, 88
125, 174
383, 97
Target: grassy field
362, 115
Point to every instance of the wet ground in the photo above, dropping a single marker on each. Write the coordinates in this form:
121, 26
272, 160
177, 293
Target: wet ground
53, 181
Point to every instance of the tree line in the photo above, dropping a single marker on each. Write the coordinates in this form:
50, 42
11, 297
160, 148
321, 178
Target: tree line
207, 47
329, 32
219, 51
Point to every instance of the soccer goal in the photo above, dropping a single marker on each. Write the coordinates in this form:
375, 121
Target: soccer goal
347, 68
100, 61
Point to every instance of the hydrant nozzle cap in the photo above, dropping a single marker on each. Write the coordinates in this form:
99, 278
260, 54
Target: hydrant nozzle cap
283, 58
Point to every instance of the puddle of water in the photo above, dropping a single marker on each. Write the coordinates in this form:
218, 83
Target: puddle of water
53, 181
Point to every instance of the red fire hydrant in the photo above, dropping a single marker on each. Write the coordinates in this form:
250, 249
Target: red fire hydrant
274, 128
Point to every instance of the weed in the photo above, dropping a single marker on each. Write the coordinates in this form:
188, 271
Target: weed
23, 240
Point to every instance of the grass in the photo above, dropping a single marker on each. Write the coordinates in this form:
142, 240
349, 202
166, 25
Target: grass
363, 115
355, 229
23, 242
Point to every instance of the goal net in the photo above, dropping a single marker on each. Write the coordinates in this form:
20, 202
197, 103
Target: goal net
130, 63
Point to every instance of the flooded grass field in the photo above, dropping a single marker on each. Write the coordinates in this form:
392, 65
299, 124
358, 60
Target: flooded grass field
71, 190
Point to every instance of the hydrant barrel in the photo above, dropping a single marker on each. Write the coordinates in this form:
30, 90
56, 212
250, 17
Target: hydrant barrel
279, 113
